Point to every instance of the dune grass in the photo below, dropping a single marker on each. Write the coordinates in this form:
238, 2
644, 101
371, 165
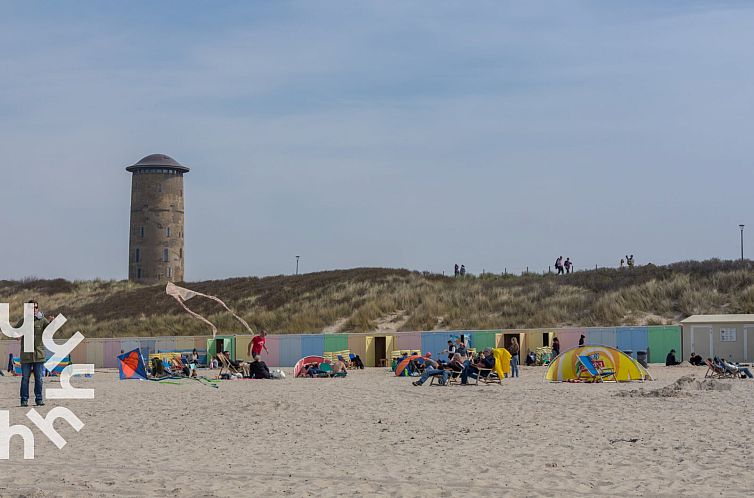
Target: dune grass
360, 299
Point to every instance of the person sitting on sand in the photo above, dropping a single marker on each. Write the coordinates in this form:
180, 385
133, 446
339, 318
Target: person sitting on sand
357, 363
697, 360
258, 369
313, 370
670, 360
531, 359
339, 367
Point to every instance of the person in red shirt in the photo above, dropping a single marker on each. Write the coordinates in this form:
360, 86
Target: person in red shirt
257, 344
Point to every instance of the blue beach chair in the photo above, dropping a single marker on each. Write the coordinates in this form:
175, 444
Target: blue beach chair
596, 374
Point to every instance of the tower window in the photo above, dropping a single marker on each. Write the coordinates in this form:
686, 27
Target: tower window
138, 273
167, 232
159, 187
180, 252
165, 255
141, 232
170, 272
137, 256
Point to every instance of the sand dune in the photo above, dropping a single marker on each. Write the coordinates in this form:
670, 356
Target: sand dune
373, 434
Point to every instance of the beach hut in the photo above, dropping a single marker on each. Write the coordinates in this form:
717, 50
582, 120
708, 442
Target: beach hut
726, 336
567, 368
221, 343
378, 350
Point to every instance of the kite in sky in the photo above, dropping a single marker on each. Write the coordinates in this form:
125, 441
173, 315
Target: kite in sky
182, 295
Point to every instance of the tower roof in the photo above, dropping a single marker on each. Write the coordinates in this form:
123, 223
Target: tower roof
158, 161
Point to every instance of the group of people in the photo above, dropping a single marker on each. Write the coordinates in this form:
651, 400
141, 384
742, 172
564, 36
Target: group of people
718, 363
563, 266
460, 270
461, 363
338, 368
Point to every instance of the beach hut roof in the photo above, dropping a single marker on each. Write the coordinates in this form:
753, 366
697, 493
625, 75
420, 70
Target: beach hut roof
732, 318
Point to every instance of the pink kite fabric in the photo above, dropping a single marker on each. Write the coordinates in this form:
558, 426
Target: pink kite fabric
182, 295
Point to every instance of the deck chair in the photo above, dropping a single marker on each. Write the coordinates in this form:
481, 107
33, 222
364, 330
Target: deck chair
717, 371
487, 376
453, 378
713, 371
596, 374
226, 365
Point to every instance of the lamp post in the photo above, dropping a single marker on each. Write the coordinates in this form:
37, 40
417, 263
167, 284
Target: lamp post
742, 242
297, 264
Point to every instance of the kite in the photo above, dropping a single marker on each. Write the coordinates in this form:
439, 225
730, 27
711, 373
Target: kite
131, 365
182, 295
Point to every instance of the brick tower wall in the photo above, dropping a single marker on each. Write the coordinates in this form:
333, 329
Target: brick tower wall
156, 225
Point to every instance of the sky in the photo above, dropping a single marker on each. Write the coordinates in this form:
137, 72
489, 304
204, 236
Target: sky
499, 135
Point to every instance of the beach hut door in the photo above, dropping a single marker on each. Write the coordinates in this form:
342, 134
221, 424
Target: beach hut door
380, 350
369, 356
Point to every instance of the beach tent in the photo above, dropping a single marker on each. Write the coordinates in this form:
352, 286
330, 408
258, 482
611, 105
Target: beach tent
404, 363
305, 361
131, 365
567, 368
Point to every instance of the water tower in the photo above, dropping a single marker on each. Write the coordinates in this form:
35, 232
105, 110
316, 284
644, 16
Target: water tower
155, 247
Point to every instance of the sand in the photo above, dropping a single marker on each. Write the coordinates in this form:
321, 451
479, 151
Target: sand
373, 434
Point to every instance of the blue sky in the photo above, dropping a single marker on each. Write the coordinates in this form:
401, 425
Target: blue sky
401, 134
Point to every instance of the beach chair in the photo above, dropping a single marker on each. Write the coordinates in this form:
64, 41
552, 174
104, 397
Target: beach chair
595, 374
716, 371
226, 365
488, 376
453, 378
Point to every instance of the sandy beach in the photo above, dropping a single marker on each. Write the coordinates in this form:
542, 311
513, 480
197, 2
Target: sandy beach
373, 434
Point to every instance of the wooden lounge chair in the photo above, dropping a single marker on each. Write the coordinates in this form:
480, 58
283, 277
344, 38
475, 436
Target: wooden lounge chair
487, 376
715, 371
453, 378
595, 373
226, 365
